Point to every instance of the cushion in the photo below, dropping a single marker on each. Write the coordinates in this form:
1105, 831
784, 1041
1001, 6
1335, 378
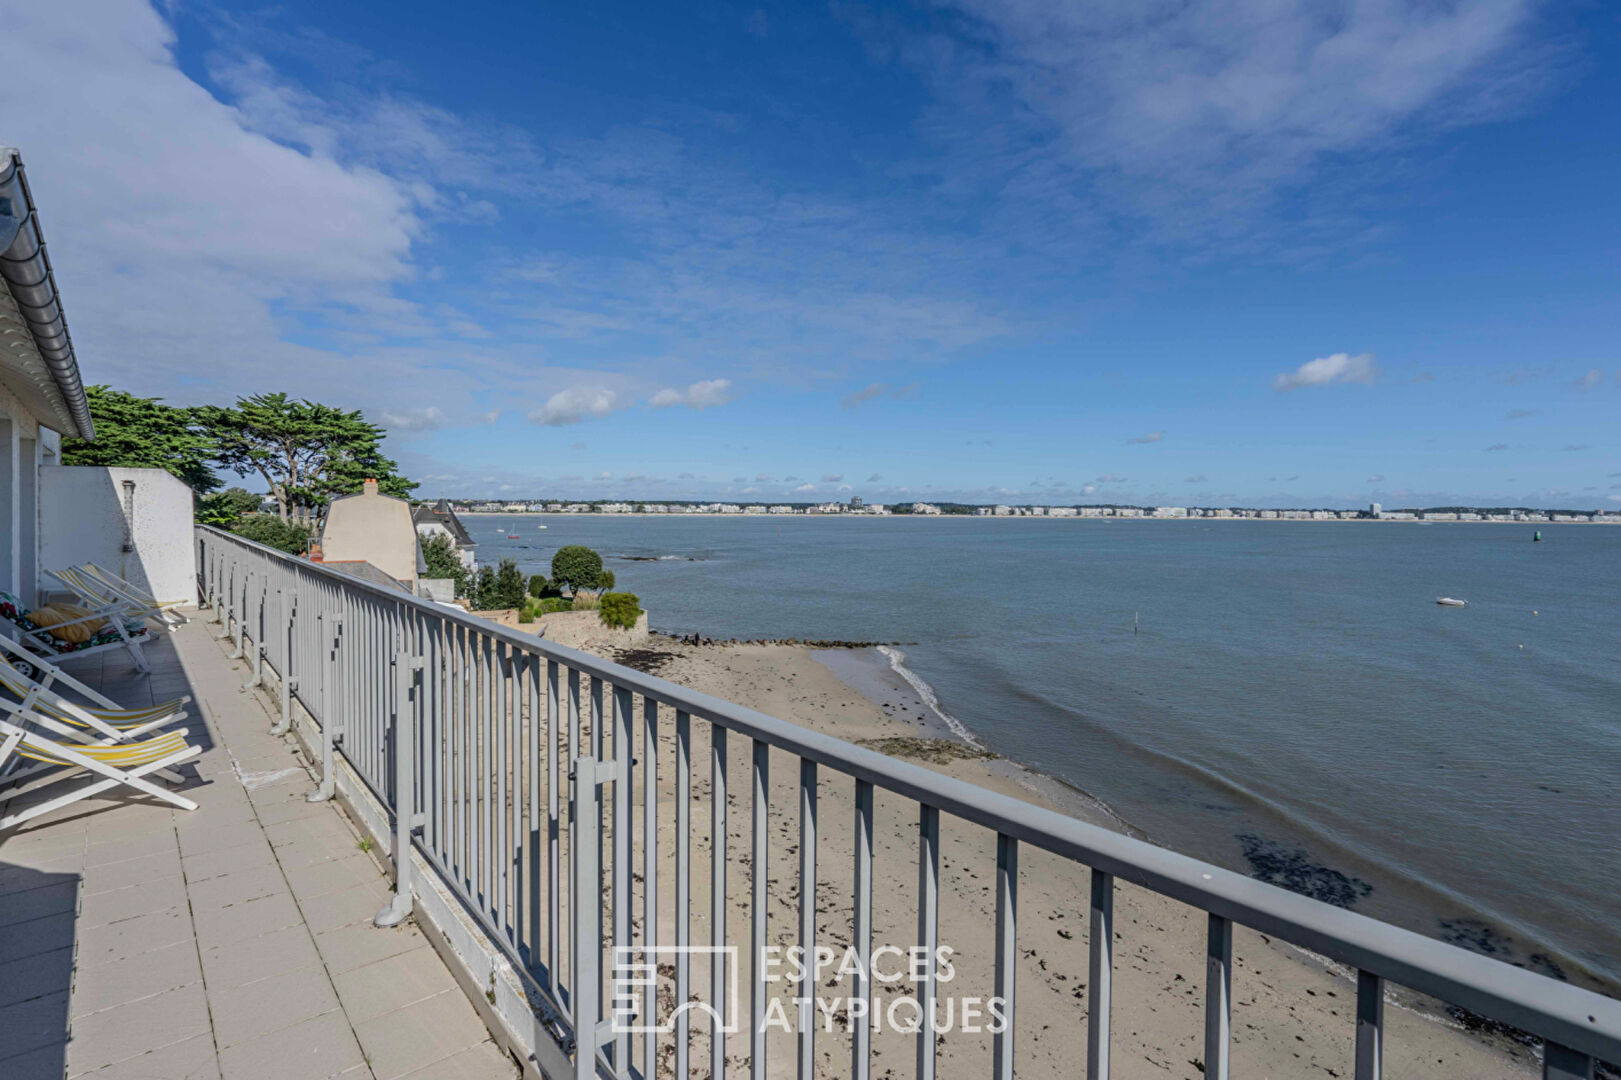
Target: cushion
51, 616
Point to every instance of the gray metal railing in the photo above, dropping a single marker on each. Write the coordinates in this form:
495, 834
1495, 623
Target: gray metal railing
471, 735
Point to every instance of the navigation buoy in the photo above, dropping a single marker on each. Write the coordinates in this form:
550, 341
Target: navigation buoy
1536, 537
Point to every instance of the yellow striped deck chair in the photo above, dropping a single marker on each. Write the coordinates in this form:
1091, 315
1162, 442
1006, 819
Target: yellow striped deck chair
108, 600
104, 716
130, 591
122, 765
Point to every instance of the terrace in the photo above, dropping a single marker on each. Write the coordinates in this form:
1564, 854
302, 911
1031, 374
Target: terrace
423, 844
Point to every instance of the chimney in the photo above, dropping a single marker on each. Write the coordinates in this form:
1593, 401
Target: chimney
370, 487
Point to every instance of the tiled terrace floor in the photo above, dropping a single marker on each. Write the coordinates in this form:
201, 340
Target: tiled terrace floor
234, 941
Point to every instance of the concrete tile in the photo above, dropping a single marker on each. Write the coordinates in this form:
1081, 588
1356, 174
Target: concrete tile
213, 836
210, 864
362, 943
358, 903
46, 1063
329, 830
107, 986
35, 1023
132, 937
34, 976
433, 1030
34, 904
243, 960
308, 852
247, 919
333, 875
39, 935
118, 850
294, 808
371, 991
137, 871
314, 1050
20, 872
227, 889
192, 1059
117, 1034
485, 1061
115, 905
243, 1013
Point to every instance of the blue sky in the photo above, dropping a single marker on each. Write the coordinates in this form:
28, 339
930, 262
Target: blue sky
1254, 252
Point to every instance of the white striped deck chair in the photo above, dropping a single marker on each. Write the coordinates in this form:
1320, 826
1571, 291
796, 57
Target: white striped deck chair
120, 765
103, 715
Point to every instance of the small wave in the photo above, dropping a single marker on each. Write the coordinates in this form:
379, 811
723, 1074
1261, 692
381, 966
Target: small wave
897, 661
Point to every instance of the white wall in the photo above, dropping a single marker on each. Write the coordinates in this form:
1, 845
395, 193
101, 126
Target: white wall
82, 519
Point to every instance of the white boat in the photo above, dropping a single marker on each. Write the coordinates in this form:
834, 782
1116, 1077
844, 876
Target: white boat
540, 526
1447, 601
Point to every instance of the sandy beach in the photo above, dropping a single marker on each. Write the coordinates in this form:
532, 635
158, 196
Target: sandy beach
1293, 1013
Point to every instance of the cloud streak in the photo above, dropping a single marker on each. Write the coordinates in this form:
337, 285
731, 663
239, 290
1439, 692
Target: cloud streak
1336, 368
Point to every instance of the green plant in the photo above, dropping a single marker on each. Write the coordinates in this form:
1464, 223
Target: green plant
552, 604
576, 567
271, 531
145, 433
586, 601
619, 609
439, 554
364, 844
605, 581
509, 585
526, 615
541, 586
483, 592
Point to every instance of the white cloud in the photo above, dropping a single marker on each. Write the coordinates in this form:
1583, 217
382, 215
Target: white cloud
1377, 478
575, 404
874, 478
1201, 478
805, 488
865, 394
700, 395
1151, 437
1338, 368
1494, 447
1198, 114
431, 418
1593, 378
832, 478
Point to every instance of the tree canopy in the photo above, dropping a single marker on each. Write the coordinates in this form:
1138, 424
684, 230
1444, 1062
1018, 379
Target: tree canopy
577, 567
305, 452
144, 433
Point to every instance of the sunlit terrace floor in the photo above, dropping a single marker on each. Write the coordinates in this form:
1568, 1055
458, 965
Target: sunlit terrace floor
233, 941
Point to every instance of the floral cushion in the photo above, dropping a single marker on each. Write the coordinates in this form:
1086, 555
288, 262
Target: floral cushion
12, 610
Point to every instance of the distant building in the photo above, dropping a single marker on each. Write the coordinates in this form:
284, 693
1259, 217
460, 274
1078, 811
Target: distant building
925, 508
782, 509
1375, 510
373, 528
856, 502
1170, 511
441, 518
614, 508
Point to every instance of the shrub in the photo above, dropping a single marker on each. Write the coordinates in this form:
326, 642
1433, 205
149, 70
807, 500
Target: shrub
619, 609
541, 586
509, 585
605, 581
551, 604
439, 554
526, 615
272, 531
576, 567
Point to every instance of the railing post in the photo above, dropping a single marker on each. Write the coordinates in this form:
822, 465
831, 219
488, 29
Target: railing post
258, 676
241, 621
329, 770
289, 683
586, 904
1218, 997
1100, 974
1370, 1025
1563, 1063
405, 702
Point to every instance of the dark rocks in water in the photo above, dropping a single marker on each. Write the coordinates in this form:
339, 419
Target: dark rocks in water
1293, 869
805, 643
1485, 939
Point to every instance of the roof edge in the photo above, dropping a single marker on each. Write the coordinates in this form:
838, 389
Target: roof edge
26, 268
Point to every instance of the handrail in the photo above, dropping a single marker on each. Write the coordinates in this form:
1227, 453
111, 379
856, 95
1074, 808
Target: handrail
1579, 1019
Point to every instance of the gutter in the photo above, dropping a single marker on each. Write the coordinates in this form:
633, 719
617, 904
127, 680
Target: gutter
26, 268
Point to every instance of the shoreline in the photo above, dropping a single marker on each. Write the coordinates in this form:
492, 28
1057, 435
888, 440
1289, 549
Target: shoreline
1297, 1006
1018, 517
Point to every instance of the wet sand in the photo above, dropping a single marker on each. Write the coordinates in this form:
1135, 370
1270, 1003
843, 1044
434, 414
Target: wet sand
1293, 1013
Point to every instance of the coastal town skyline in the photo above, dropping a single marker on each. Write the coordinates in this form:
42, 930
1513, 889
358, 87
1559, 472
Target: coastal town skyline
967, 252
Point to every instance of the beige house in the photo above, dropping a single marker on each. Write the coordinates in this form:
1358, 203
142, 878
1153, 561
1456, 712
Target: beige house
372, 528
